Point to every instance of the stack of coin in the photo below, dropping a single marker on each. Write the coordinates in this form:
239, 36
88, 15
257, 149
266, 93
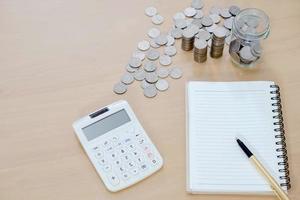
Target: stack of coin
187, 42
200, 50
218, 40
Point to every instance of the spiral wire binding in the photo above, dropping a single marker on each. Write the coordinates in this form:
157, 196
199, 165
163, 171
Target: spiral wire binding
281, 135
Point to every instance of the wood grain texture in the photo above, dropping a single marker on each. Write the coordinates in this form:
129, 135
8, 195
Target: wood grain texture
59, 61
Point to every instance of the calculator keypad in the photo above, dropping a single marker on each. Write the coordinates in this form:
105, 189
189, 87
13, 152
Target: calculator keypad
124, 157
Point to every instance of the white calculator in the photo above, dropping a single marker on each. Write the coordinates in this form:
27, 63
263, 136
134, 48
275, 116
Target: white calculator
118, 146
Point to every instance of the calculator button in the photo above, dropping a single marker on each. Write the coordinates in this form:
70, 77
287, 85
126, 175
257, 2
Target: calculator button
134, 171
130, 164
131, 146
140, 160
99, 154
121, 169
117, 162
150, 155
144, 167
113, 179
96, 148
107, 167
121, 151
146, 148
127, 140
106, 143
135, 153
141, 140
154, 161
113, 155
102, 161
125, 158
125, 176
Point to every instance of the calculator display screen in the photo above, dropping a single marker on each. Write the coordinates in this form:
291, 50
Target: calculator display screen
106, 124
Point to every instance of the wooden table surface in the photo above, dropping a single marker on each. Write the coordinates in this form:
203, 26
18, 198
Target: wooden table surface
59, 61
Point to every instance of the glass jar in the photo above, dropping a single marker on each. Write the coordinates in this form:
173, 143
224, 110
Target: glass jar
250, 27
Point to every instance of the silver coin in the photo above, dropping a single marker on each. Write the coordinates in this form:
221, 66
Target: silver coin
228, 40
228, 23
127, 78
200, 44
220, 32
207, 21
139, 75
215, 10
138, 54
189, 21
153, 44
163, 72
211, 28
165, 60
199, 14
153, 32
150, 11
176, 73
170, 50
157, 19
162, 85
151, 77
144, 84
171, 40
135, 62
234, 10
178, 15
189, 12
216, 18
246, 54
120, 88
153, 54
130, 69
176, 33
180, 23
225, 13
197, 4
149, 66
188, 34
256, 49
203, 34
161, 39
143, 45
197, 22
150, 91
193, 28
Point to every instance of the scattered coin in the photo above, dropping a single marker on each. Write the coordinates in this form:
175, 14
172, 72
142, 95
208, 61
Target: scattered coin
153, 54
171, 40
225, 13
151, 77
139, 75
176, 33
127, 78
120, 88
130, 69
162, 85
180, 23
189, 21
211, 28
165, 60
228, 23
178, 15
157, 19
151, 11
199, 14
176, 73
246, 54
203, 34
161, 39
193, 28
234, 10
143, 45
163, 72
138, 54
216, 18
207, 21
197, 22
150, 91
170, 50
144, 84
197, 4
149, 66
153, 32
190, 12
153, 44
135, 62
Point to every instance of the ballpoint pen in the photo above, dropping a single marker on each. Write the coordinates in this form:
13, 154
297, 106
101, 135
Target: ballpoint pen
274, 185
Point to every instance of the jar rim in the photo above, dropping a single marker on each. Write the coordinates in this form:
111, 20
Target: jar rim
255, 35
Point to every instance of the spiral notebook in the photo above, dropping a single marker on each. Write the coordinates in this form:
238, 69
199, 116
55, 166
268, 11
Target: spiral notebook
217, 113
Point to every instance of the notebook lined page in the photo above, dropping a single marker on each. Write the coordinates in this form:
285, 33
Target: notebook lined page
217, 114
